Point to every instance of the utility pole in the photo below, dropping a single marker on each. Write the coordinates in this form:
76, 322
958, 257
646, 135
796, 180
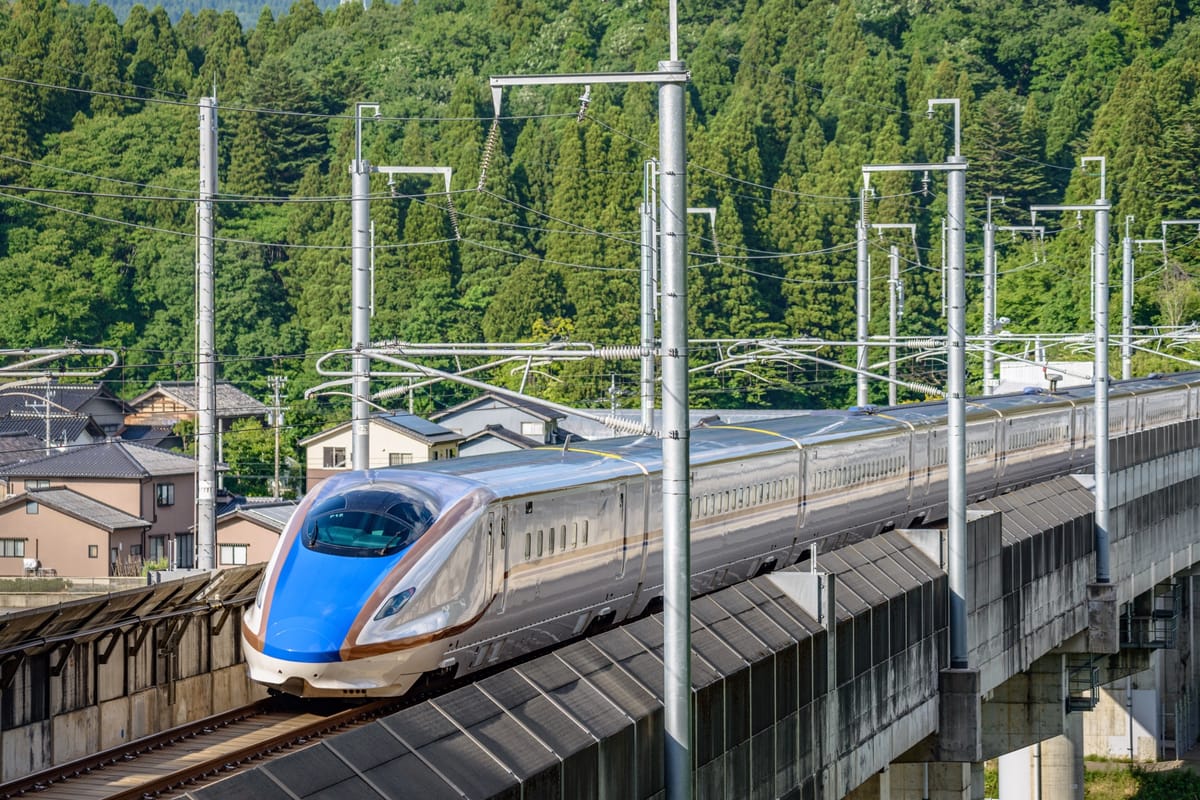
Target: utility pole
895, 308
1100, 208
1127, 273
649, 292
989, 298
206, 367
360, 322
990, 382
895, 296
954, 242
862, 298
677, 684
361, 295
276, 382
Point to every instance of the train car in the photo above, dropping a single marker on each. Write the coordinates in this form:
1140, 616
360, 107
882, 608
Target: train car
387, 578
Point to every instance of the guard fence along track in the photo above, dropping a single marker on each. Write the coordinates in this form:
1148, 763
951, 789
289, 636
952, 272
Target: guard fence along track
209, 748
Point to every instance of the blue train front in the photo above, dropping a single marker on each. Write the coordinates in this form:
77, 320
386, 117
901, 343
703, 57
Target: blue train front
375, 573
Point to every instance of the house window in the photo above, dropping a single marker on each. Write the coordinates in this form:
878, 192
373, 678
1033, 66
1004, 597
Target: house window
12, 548
531, 429
158, 548
334, 457
234, 554
395, 459
93, 551
31, 507
164, 494
37, 484
135, 551
185, 550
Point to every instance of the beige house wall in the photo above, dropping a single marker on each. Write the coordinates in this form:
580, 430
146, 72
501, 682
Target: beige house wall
59, 541
137, 498
261, 541
385, 442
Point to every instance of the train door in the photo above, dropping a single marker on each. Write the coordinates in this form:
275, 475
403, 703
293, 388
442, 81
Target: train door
498, 557
1002, 448
801, 489
622, 524
491, 534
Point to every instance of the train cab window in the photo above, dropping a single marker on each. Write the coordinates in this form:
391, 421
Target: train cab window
376, 521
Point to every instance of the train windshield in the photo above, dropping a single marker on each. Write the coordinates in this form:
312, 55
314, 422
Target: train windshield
368, 522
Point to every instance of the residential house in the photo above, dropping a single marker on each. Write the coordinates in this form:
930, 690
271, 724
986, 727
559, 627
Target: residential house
526, 417
92, 401
146, 483
248, 531
59, 531
53, 432
397, 438
171, 402
155, 413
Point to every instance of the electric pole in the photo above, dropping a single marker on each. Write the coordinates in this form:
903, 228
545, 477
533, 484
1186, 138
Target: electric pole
277, 382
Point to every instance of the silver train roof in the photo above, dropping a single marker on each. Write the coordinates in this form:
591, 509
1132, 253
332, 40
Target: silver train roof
548, 468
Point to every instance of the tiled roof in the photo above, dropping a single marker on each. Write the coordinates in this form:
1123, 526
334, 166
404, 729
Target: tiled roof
81, 507
504, 434
151, 435
16, 446
230, 400
112, 459
69, 395
531, 406
408, 424
273, 514
62, 428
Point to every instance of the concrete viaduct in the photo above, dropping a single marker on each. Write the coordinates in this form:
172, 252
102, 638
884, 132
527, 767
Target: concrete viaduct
828, 680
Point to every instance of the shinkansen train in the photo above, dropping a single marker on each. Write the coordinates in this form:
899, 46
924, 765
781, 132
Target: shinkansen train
391, 577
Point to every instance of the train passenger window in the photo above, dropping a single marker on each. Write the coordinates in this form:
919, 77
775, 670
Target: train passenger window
551, 540
585, 531
562, 537
528, 544
541, 542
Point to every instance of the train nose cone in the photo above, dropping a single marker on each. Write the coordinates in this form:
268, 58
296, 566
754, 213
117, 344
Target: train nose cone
304, 639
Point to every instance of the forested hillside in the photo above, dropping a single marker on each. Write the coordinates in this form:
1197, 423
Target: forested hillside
248, 11
788, 99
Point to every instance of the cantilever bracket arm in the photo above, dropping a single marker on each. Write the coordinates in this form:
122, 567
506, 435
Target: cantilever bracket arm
498, 82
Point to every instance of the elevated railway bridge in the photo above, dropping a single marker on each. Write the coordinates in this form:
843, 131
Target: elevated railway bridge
828, 679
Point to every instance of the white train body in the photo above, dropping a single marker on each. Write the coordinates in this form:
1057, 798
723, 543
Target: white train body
385, 576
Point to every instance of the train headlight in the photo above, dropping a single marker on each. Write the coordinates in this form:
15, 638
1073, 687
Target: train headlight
395, 603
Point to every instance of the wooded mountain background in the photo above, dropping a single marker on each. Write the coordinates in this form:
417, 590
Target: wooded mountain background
788, 99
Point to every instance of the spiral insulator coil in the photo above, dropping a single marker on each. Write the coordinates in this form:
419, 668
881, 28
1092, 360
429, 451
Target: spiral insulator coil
450, 208
489, 147
628, 351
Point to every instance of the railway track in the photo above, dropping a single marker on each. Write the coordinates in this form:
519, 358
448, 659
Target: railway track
209, 748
